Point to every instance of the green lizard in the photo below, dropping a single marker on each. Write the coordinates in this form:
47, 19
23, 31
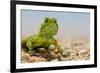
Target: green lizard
44, 38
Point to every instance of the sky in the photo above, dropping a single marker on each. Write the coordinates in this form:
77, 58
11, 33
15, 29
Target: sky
71, 24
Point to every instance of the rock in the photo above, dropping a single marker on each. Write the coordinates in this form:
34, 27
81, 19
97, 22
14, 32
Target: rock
52, 47
63, 48
24, 57
37, 59
55, 51
66, 54
37, 54
55, 60
83, 52
41, 50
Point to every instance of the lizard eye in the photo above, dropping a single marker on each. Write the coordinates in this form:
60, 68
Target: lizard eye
46, 19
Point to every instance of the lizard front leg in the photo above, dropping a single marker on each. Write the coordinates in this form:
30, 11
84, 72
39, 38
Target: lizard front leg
30, 48
59, 48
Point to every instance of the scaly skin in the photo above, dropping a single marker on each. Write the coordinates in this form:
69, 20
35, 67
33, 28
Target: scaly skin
44, 38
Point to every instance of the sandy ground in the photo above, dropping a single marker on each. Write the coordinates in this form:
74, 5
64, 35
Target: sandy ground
73, 49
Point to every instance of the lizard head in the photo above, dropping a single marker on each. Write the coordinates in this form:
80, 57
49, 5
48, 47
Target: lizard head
50, 20
49, 27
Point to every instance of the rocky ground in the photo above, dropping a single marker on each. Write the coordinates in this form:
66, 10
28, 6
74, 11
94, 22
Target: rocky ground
75, 49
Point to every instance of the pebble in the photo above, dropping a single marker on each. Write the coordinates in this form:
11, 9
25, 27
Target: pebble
55, 60
52, 47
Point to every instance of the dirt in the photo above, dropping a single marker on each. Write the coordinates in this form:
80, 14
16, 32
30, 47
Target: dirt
76, 49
